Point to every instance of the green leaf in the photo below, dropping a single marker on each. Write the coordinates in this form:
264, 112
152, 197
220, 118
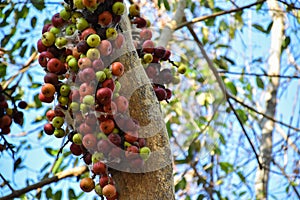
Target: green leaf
18, 44
222, 139
23, 197
71, 194
57, 165
294, 184
241, 176
182, 161
49, 193
231, 87
180, 185
193, 6
242, 115
226, 167
167, 5
269, 27
187, 198
35, 85
286, 42
223, 26
259, 27
238, 17
201, 197
38, 103
259, 6
259, 82
23, 51
24, 12
2, 70
57, 195
170, 131
211, 4
159, 3
221, 63
38, 4
242, 193
210, 21
51, 152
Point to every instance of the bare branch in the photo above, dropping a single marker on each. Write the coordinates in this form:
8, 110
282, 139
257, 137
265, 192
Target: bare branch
25, 67
256, 74
6, 182
202, 18
223, 88
263, 114
287, 177
77, 171
287, 139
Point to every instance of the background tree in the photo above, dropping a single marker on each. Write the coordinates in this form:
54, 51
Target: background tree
231, 90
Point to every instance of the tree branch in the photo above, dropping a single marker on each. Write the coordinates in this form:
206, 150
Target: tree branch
168, 30
287, 139
77, 171
9, 145
223, 88
287, 177
263, 114
256, 74
25, 67
289, 5
202, 18
6, 182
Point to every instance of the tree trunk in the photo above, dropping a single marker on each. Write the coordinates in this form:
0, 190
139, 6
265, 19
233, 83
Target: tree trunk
155, 179
167, 32
267, 126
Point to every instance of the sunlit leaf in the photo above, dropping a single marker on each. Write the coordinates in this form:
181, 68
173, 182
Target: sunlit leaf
231, 87
56, 167
51, 152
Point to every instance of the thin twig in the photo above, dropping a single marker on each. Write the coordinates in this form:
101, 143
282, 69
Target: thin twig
6, 183
245, 132
223, 88
202, 18
289, 5
256, 74
61, 149
24, 68
263, 114
287, 177
73, 172
9, 145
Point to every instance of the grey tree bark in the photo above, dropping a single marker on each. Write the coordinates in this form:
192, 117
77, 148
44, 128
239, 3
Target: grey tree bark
268, 126
155, 181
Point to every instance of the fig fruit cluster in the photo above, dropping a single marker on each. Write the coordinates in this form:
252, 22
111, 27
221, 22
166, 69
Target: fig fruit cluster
77, 51
152, 57
10, 114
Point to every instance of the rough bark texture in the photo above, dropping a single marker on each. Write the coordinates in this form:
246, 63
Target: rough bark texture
277, 34
144, 184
